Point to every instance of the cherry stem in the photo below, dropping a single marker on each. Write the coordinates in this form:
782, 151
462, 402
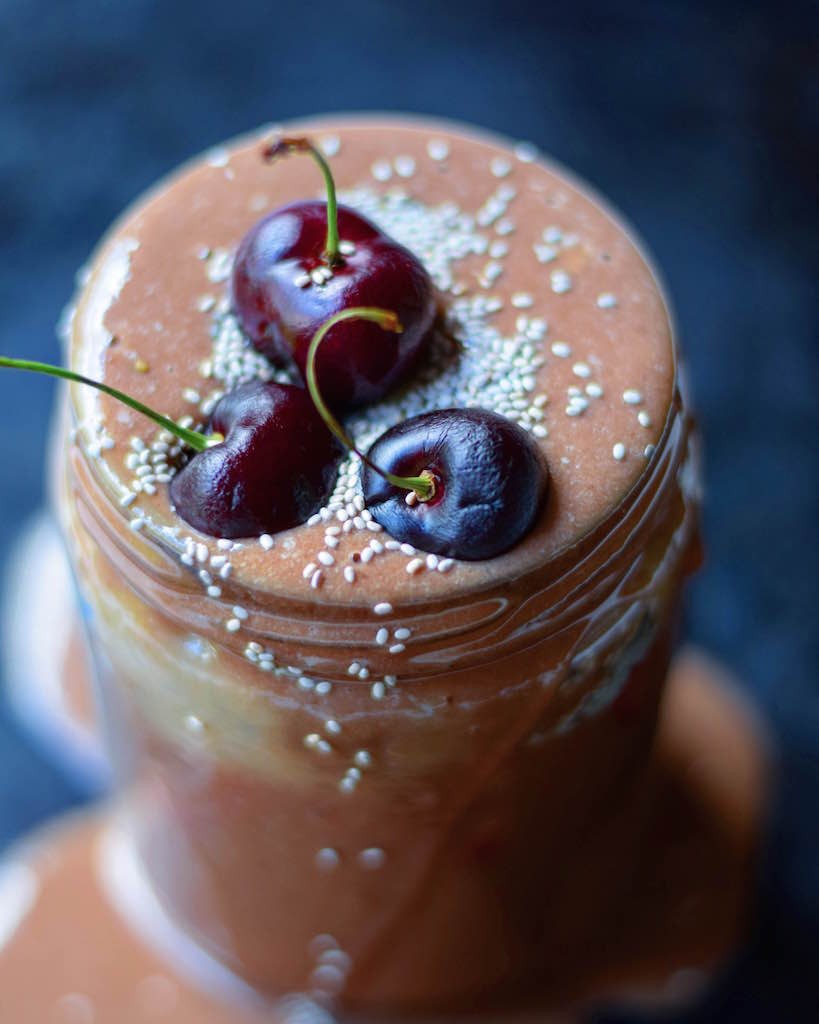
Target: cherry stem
423, 485
199, 442
291, 144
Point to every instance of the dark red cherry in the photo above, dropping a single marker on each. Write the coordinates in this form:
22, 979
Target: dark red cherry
307, 261
489, 480
274, 469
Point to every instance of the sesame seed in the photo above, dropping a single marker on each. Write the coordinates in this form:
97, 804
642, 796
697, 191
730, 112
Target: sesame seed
643, 418
363, 758
404, 166
581, 370
632, 397
545, 253
326, 558
364, 673
539, 430
606, 300
415, 566
594, 391
383, 608
332, 726
432, 561
445, 564
411, 498
137, 523
377, 691
327, 859
330, 145
382, 636
381, 170
240, 612
522, 300
505, 226
353, 668
349, 574
308, 570
500, 166
214, 591
560, 282
648, 451
324, 687
525, 152
346, 248
316, 579
305, 683
233, 625
402, 633
372, 858
397, 648
437, 149
561, 349
266, 541
619, 451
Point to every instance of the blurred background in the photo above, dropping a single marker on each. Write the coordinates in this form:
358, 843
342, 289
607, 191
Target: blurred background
699, 120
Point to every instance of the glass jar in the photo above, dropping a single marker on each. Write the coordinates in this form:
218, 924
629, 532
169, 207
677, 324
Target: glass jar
424, 845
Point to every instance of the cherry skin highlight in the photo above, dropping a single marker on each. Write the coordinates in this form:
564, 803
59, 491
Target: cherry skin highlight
490, 481
274, 469
360, 363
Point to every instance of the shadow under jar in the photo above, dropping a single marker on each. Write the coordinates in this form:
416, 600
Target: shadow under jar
397, 792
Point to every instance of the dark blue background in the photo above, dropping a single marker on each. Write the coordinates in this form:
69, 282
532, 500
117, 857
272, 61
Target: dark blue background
699, 120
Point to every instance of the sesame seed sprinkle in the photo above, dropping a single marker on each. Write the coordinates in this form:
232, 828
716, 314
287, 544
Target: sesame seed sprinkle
382, 608
632, 397
619, 451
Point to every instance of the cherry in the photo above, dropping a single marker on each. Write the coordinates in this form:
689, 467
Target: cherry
465, 483
309, 260
489, 482
275, 468
267, 464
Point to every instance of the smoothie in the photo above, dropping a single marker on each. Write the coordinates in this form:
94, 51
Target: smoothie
351, 768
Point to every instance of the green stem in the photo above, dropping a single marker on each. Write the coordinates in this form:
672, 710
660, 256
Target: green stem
192, 438
290, 144
423, 485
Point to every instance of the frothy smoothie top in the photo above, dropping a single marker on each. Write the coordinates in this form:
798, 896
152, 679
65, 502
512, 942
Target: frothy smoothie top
553, 319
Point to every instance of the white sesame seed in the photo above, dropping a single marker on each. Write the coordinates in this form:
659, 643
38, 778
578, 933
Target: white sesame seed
505, 226
233, 625
363, 758
214, 591
353, 668
632, 397
446, 564
411, 498
402, 633
330, 145
561, 349
316, 579
240, 612
364, 673
332, 726
305, 683
581, 370
324, 687
539, 430
525, 152
192, 396
346, 248
202, 553
397, 648
606, 300
643, 418
372, 858
382, 636
326, 558
404, 166
594, 391
377, 691
367, 555
545, 253
381, 170
349, 574
327, 859
308, 570
648, 451
266, 541
331, 542
500, 166
383, 608
522, 300
432, 561
415, 566
437, 149
560, 282
619, 451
